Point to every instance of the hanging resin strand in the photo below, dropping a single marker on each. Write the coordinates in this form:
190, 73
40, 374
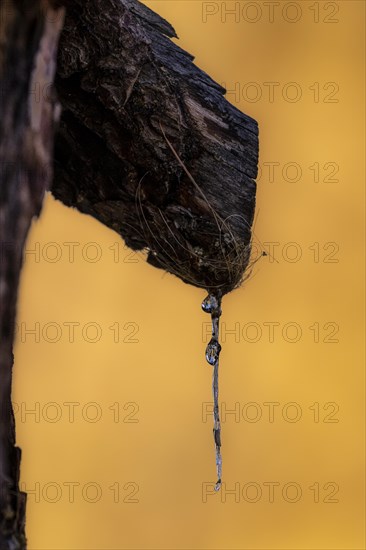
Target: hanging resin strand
212, 305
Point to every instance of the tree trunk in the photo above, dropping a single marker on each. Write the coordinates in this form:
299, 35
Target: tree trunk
28, 46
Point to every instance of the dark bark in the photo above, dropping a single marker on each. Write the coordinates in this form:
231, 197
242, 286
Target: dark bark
28, 47
149, 146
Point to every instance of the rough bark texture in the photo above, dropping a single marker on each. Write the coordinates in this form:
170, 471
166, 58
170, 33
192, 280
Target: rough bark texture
149, 146
28, 47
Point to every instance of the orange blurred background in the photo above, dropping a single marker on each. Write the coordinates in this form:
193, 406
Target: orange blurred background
112, 392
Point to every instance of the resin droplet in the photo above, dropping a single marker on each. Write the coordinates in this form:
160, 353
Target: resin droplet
218, 485
212, 305
213, 351
217, 437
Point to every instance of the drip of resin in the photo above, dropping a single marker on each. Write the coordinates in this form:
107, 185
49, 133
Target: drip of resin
212, 305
